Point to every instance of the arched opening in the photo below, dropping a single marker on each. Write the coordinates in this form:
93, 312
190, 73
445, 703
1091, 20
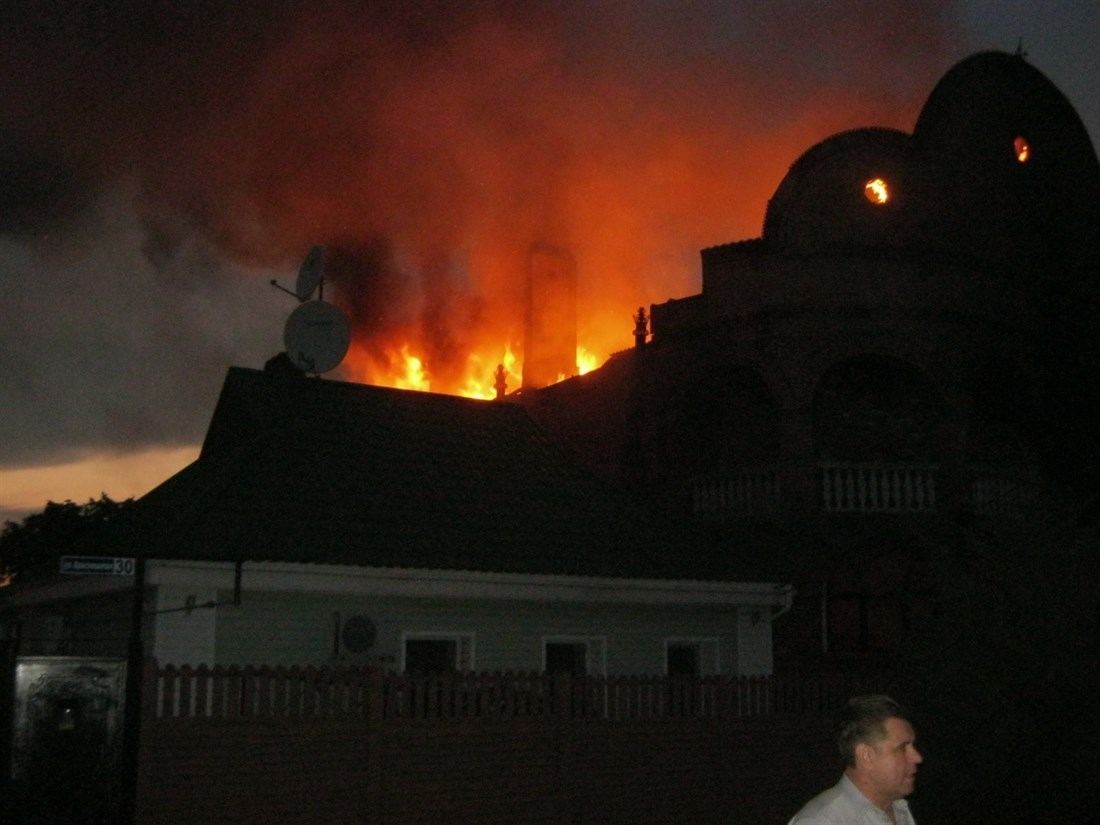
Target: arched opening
723, 440
879, 432
1002, 412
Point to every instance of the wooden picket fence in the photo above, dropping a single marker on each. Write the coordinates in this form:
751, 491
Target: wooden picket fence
315, 692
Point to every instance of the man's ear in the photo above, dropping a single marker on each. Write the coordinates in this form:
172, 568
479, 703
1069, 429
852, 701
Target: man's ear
864, 753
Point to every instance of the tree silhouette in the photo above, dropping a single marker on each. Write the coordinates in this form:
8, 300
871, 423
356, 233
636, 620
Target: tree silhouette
31, 545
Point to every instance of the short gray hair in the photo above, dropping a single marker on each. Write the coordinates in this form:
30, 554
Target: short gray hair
863, 719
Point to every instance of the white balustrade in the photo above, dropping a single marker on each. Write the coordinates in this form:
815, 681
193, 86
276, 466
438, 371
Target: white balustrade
749, 490
878, 488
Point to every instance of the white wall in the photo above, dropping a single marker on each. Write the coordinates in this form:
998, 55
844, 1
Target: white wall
183, 636
287, 628
754, 642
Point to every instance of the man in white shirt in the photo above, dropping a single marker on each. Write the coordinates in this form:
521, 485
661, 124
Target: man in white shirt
876, 741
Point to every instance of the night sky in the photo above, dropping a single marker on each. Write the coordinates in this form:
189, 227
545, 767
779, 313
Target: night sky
163, 161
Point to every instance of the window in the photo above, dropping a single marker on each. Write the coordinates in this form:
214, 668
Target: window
574, 655
437, 652
691, 657
682, 659
876, 191
1022, 149
567, 657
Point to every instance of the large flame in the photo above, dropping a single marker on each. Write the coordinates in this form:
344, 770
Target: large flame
586, 361
433, 147
404, 368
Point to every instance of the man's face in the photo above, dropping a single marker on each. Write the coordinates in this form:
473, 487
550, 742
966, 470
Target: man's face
891, 763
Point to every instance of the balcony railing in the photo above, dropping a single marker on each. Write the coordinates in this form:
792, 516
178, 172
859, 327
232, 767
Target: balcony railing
878, 488
863, 487
739, 492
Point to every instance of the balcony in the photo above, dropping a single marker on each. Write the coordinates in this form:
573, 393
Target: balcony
860, 487
742, 491
877, 488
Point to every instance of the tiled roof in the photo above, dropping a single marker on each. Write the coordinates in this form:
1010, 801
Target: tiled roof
310, 470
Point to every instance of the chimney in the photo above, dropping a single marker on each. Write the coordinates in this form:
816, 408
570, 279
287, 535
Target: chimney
641, 325
550, 322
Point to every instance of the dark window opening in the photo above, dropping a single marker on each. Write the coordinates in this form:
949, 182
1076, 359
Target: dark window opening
567, 657
683, 660
430, 655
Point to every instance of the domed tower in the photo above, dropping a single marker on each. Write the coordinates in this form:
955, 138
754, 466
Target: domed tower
918, 304
1016, 178
910, 339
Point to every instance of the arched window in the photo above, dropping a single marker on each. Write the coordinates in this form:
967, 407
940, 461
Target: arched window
725, 421
875, 408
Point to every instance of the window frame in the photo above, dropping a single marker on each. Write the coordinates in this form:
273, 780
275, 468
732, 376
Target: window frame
708, 651
465, 646
595, 651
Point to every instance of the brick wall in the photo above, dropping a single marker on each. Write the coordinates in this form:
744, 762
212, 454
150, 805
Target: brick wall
478, 771
363, 764
252, 770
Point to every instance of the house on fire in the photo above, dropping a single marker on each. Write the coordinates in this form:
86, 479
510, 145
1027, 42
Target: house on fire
908, 347
327, 522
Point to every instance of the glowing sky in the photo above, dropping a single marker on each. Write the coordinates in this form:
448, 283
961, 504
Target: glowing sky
163, 161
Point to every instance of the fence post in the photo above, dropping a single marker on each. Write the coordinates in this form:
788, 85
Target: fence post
375, 712
562, 691
145, 733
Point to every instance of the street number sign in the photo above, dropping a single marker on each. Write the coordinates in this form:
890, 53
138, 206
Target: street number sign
96, 566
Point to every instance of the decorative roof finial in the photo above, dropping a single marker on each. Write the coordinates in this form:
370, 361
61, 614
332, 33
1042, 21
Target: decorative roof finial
500, 384
1020, 53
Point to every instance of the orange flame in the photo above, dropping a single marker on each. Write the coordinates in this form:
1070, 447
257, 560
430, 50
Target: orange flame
877, 191
480, 378
1023, 149
415, 376
404, 369
586, 361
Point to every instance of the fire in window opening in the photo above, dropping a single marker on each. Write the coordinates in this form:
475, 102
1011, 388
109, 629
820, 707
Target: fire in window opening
877, 191
1022, 149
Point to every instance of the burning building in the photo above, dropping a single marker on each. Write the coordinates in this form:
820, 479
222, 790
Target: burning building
908, 343
907, 346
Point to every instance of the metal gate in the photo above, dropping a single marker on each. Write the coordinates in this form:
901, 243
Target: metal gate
66, 758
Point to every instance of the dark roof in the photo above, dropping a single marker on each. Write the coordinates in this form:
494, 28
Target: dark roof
310, 470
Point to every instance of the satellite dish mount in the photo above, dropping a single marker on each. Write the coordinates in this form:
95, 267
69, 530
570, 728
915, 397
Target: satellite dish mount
311, 277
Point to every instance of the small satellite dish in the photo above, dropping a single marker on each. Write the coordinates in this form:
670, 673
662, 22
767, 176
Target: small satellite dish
316, 337
310, 274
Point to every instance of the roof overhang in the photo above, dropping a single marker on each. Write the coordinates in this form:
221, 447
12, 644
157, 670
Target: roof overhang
290, 577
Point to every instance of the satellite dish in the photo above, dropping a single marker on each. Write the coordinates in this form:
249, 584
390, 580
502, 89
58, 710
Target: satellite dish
310, 274
316, 337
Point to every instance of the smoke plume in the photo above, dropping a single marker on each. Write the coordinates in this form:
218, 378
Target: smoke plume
169, 158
